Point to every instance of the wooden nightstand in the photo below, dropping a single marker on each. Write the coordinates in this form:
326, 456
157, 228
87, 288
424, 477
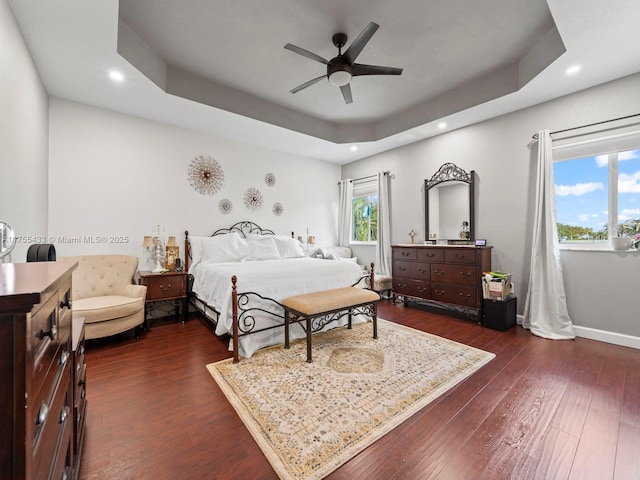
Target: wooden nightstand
165, 287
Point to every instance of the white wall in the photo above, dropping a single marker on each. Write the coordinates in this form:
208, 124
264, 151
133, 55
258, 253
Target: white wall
117, 175
23, 137
505, 170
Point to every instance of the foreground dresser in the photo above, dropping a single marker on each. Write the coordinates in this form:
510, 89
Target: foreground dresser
449, 276
36, 362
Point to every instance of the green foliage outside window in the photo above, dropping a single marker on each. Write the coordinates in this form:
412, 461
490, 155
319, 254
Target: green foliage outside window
365, 219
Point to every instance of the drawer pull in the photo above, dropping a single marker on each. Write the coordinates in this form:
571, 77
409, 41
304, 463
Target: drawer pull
64, 414
402, 269
459, 257
439, 272
43, 413
163, 288
430, 255
465, 274
422, 270
66, 303
64, 357
405, 254
41, 334
463, 295
422, 289
439, 292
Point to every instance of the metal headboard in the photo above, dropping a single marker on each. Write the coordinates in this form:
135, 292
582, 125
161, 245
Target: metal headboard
244, 228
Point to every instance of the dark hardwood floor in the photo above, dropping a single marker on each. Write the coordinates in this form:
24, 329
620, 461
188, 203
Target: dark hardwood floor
541, 409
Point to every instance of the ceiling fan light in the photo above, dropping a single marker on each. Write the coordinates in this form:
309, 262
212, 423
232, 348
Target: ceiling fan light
340, 78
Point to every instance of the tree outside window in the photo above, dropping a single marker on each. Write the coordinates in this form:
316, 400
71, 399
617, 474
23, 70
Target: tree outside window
365, 219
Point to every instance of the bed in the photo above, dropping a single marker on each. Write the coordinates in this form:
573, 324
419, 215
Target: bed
266, 268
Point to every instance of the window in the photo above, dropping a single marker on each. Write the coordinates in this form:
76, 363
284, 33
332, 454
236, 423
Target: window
364, 212
597, 197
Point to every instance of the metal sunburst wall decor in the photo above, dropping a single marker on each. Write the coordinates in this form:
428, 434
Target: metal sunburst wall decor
278, 209
225, 206
253, 198
205, 175
270, 179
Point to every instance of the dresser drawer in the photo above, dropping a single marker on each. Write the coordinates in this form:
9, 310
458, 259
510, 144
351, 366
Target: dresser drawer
417, 270
411, 287
407, 253
52, 420
431, 254
163, 288
454, 274
460, 255
459, 295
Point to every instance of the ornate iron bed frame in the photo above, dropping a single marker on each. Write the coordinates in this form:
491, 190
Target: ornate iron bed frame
244, 321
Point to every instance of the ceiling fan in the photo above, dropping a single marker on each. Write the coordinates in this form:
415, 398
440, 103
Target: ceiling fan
342, 68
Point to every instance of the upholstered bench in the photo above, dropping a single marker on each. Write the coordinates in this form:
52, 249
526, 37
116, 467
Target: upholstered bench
318, 309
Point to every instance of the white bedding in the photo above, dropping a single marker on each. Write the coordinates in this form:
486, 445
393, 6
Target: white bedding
275, 279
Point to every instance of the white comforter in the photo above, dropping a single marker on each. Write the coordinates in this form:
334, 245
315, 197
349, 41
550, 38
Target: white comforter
275, 279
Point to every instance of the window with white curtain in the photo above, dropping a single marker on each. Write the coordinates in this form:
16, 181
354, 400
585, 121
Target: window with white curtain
364, 212
597, 187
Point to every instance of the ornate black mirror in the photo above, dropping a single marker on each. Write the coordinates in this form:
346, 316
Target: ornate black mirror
449, 204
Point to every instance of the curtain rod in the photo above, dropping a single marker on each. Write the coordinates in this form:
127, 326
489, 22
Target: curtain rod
535, 135
386, 172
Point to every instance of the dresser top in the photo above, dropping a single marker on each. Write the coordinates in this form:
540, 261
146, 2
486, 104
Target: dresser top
22, 284
418, 245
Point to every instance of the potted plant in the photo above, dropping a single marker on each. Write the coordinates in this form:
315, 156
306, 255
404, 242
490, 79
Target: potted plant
627, 234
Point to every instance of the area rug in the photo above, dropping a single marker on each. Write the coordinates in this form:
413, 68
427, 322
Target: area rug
310, 418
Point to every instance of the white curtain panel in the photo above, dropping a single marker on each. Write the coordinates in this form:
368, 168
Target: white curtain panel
545, 309
383, 246
344, 212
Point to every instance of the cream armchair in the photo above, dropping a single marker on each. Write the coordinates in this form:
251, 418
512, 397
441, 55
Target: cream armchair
104, 294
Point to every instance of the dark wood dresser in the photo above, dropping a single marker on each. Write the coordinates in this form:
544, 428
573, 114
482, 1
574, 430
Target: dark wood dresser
36, 362
447, 275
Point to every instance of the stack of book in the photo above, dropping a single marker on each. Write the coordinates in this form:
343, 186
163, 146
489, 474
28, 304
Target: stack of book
496, 285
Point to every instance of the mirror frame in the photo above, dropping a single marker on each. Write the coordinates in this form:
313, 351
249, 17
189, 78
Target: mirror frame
450, 172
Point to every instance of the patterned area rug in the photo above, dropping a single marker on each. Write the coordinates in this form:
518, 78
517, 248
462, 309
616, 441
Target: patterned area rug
309, 419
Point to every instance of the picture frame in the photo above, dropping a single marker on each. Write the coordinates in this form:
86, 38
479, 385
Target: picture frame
172, 253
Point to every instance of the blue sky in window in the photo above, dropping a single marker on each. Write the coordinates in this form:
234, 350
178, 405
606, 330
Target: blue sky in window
582, 192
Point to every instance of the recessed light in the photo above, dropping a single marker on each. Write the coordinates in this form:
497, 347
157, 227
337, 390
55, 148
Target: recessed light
353, 148
116, 76
442, 125
572, 70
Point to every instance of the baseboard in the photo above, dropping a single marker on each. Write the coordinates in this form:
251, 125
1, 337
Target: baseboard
600, 335
608, 337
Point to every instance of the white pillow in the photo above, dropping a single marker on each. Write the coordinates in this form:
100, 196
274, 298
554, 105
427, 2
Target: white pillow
288, 247
263, 248
229, 247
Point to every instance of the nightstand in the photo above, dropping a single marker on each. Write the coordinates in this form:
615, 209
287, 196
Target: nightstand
163, 288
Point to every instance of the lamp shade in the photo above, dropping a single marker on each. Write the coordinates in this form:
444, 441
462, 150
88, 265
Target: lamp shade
172, 242
311, 240
148, 241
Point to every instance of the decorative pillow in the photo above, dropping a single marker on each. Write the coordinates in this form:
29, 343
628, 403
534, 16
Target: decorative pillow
263, 248
320, 253
288, 247
229, 247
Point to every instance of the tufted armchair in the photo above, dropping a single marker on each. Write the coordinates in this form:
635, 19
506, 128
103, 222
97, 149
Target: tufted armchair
104, 294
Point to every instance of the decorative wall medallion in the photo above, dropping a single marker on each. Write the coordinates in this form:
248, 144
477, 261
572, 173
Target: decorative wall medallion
278, 208
225, 206
253, 198
205, 175
270, 179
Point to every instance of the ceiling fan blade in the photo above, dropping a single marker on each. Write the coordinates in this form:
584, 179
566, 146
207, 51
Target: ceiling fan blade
307, 84
359, 43
346, 93
306, 53
360, 69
